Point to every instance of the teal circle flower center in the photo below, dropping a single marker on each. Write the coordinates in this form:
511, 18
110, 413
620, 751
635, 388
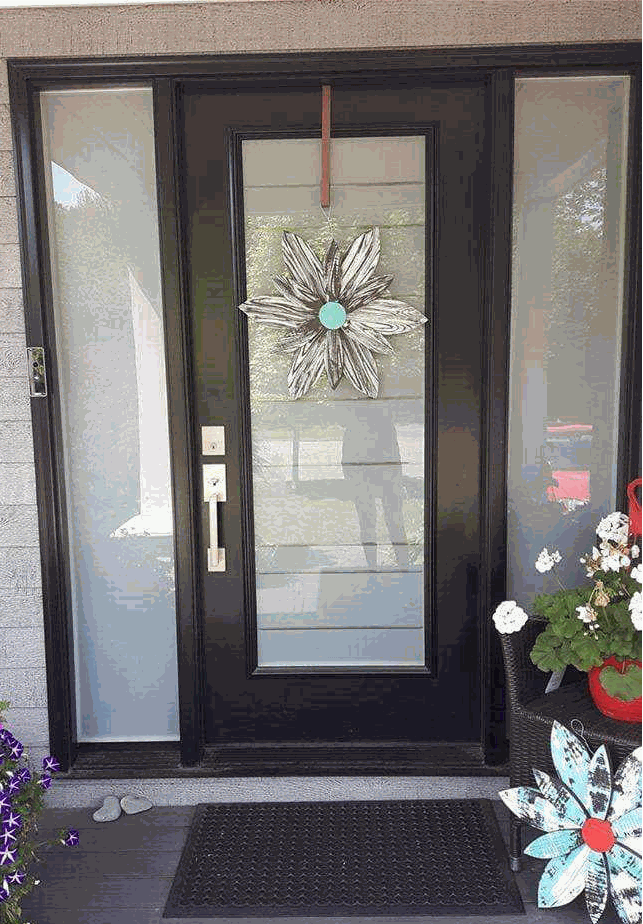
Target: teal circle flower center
332, 315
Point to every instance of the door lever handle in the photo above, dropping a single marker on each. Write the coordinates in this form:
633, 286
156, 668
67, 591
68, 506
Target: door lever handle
214, 493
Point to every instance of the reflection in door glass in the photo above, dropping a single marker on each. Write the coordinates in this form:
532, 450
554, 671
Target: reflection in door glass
569, 189
338, 478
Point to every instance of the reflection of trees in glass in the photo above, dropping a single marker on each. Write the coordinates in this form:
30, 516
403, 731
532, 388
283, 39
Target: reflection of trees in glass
578, 221
577, 229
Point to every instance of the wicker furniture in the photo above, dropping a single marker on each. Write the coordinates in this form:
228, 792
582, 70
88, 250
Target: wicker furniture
532, 713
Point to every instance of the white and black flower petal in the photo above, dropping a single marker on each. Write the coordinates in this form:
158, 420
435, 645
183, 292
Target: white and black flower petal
554, 844
560, 797
295, 294
332, 273
599, 784
360, 368
333, 358
563, 878
625, 883
389, 316
626, 792
273, 310
596, 885
308, 365
571, 760
293, 341
366, 294
529, 805
303, 265
367, 336
628, 829
359, 264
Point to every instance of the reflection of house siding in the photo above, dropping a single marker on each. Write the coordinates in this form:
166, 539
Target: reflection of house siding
225, 28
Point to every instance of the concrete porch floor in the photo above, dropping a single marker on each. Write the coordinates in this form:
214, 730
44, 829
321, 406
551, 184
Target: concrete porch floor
122, 871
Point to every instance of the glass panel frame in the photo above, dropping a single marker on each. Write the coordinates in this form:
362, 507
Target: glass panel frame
576, 460
124, 319
236, 140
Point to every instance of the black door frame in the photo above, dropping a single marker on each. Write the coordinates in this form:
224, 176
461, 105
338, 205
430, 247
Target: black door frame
499, 67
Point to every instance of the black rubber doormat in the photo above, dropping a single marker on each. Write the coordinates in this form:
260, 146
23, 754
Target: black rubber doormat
309, 859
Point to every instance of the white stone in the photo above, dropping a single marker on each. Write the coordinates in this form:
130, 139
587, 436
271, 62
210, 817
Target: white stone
132, 805
110, 810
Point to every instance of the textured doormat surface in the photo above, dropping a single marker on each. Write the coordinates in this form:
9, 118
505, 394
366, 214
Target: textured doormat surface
303, 859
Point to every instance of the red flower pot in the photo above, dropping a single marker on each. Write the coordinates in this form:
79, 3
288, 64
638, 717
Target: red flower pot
615, 708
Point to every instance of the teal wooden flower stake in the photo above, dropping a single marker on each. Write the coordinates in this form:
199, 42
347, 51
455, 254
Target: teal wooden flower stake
593, 825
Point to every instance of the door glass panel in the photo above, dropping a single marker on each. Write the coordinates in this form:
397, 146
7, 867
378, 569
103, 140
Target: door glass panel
568, 255
103, 233
338, 477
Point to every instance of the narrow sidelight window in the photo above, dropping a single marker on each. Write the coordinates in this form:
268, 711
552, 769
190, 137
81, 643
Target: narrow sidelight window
568, 270
110, 357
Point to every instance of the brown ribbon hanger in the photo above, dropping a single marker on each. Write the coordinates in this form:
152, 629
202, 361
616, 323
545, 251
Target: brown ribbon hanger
324, 186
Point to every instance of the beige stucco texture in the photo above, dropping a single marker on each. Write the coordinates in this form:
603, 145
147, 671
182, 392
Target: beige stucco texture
281, 25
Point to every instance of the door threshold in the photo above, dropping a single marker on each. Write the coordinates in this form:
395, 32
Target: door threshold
162, 761
350, 759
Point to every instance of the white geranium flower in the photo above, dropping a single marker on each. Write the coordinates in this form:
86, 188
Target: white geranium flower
547, 560
637, 573
611, 563
586, 613
509, 617
636, 610
614, 528
635, 551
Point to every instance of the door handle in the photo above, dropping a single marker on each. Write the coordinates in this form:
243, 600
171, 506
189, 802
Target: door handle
214, 493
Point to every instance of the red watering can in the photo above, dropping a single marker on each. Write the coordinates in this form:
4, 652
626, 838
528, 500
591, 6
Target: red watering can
634, 508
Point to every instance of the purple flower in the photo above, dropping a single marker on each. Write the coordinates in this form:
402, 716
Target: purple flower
72, 838
7, 856
17, 877
14, 786
5, 801
45, 781
11, 821
25, 774
51, 764
7, 836
15, 750
4, 891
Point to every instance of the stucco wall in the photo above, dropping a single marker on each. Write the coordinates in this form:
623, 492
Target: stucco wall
207, 28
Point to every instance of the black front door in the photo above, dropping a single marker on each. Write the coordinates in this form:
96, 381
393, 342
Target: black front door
345, 609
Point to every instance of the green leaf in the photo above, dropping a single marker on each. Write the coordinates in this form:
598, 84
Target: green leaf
548, 653
625, 686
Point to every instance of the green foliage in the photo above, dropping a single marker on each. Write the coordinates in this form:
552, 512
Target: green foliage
568, 640
606, 631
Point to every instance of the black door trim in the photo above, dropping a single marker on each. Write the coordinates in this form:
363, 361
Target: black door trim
498, 64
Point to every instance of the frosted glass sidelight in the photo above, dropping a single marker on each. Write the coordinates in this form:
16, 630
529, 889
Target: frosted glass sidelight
103, 227
568, 257
338, 478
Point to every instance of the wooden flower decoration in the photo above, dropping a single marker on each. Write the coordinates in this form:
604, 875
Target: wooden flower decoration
593, 825
338, 313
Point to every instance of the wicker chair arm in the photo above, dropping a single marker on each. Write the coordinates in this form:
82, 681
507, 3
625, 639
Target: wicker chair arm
524, 680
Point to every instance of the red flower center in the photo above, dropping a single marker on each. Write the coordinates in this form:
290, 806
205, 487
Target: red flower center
598, 834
